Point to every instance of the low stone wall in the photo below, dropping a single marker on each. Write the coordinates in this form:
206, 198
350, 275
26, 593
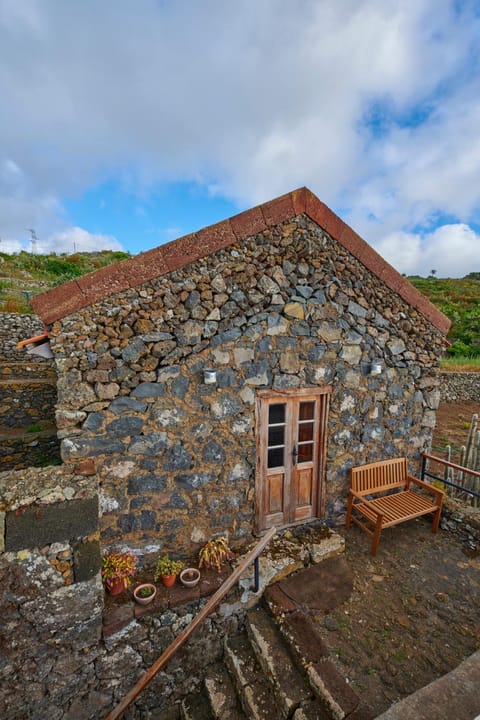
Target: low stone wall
26, 450
28, 395
13, 328
28, 402
460, 386
463, 520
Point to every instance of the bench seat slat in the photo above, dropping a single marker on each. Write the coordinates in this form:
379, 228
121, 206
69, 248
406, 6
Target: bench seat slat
397, 508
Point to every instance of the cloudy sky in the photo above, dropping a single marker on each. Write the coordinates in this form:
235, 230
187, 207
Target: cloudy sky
125, 124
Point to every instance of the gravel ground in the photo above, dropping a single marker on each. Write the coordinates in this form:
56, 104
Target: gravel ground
413, 616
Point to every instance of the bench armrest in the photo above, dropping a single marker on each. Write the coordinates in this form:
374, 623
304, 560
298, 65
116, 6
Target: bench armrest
439, 494
366, 502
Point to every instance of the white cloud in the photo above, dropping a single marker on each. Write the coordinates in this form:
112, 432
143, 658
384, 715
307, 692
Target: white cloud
450, 250
75, 239
251, 99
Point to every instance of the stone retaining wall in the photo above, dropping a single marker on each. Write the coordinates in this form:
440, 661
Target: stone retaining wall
27, 402
33, 449
463, 520
13, 328
53, 660
460, 386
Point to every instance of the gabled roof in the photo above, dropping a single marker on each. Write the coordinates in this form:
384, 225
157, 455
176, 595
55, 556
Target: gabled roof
88, 289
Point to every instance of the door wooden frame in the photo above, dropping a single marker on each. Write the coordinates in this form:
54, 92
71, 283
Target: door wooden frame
261, 447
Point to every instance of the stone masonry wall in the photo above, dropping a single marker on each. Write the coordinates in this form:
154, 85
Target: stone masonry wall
13, 328
28, 435
54, 661
286, 308
460, 386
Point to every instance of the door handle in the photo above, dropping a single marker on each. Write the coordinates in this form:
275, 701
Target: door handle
294, 455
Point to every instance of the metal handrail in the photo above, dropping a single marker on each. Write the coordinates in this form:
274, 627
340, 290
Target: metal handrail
447, 463
181, 639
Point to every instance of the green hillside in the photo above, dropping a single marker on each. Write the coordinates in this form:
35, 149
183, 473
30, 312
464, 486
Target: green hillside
24, 274
459, 300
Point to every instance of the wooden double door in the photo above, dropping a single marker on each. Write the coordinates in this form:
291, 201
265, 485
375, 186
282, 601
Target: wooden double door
291, 440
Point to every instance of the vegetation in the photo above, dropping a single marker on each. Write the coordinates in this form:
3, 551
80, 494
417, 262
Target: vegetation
215, 553
167, 566
118, 566
24, 274
459, 300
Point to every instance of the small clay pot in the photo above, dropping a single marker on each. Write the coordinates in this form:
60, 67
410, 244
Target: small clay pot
190, 577
168, 580
145, 600
117, 587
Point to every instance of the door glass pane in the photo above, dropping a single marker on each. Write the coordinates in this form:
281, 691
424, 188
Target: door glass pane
305, 453
305, 432
276, 435
307, 410
276, 413
275, 457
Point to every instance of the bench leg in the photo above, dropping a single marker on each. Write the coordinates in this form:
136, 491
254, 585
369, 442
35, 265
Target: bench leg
349, 511
376, 537
436, 520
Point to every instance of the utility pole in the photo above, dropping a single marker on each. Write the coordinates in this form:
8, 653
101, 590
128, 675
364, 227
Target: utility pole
34, 240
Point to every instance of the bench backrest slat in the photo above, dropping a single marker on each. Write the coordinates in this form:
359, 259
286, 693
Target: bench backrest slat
379, 476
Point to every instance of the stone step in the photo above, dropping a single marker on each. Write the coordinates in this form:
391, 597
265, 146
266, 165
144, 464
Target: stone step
289, 685
311, 655
222, 694
253, 687
195, 706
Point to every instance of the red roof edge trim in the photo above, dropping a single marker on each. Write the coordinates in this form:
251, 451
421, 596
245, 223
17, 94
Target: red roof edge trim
77, 294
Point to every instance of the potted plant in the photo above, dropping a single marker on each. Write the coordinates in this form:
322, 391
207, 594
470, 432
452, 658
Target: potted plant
215, 553
144, 594
190, 577
118, 570
167, 570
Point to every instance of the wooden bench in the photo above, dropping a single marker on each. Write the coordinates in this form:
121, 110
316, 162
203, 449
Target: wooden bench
377, 507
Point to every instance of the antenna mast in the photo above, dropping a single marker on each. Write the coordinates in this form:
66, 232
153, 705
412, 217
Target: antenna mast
34, 240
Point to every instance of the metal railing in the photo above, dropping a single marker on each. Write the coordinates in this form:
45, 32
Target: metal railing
475, 494
181, 639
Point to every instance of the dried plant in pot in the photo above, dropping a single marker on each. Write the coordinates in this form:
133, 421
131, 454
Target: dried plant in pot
215, 553
118, 570
145, 594
167, 570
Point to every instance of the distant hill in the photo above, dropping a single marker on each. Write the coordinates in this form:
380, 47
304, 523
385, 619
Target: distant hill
25, 274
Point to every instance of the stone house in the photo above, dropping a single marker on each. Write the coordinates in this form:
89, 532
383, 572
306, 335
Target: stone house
321, 356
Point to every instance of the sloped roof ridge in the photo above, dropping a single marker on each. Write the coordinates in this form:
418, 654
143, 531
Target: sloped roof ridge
88, 289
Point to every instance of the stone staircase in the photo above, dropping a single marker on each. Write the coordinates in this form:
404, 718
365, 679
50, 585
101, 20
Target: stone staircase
277, 668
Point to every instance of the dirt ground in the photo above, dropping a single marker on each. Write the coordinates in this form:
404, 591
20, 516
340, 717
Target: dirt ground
414, 613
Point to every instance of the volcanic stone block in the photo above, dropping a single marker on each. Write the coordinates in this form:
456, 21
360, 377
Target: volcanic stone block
86, 560
40, 525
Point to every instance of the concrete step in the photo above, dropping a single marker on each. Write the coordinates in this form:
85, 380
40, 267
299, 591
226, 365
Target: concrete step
222, 694
252, 685
289, 685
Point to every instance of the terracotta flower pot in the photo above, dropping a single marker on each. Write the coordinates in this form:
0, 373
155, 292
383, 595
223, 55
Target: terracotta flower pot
190, 577
168, 580
145, 600
116, 587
